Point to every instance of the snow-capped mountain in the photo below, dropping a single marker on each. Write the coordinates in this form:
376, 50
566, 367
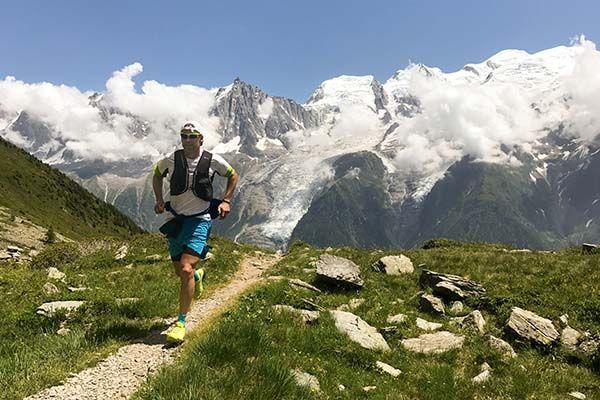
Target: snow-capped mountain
502, 150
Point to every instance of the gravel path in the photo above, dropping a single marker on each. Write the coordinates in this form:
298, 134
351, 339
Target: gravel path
121, 374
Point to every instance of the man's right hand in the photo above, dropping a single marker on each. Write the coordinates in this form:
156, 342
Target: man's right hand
159, 207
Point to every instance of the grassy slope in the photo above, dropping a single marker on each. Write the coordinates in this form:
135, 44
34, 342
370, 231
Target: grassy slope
247, 355
33, 356
49, 198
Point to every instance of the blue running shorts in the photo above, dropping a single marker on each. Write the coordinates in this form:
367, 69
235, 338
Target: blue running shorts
192, 239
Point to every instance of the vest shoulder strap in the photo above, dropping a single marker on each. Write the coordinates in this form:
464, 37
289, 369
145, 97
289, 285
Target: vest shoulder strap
204, 163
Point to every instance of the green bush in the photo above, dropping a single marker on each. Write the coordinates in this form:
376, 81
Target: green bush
56, 255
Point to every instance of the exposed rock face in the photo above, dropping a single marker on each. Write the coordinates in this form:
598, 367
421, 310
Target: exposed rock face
340, 271
438, 342
359, 331
394, 265
453, 288
505, 348
431, 304
532, 327
55, 306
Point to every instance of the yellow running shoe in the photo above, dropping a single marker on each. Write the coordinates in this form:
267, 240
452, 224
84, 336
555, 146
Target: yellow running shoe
200, 282
176, 333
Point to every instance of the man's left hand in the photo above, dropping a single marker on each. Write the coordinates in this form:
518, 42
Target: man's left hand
224, 209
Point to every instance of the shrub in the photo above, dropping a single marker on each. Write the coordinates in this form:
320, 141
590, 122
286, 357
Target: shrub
56, 255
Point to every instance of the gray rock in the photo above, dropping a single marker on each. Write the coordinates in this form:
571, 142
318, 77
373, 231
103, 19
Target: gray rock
394, 265
589, 346
484, 375
359, 331
307, 380
14, 249
578, 395
427, 326
396, 319
467, 287
388, 369
449, 291
564, 320
54, 306
505, 348
457, 307
77, 289
433, 343
307, 316
304, 285
431, 304
389, 330
570, 338
340, 271
369, 388
50, 288
531, 327
122, 252
55, 274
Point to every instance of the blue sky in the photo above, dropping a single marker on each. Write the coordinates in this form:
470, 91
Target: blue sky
286, 48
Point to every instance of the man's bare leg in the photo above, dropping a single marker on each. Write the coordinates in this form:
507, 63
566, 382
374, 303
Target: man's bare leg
186, 275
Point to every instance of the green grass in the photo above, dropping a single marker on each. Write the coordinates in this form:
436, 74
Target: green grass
33, 356
249, 353
47, 197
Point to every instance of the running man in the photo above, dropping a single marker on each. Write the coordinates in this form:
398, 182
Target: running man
190, 176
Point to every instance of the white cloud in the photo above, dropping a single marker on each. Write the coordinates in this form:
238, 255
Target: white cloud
583, 117
67, 110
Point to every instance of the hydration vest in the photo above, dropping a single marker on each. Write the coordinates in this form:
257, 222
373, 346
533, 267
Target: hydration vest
201, 181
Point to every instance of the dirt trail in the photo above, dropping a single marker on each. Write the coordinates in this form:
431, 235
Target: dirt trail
121, 374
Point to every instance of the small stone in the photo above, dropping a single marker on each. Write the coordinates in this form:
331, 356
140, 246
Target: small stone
359, 331
50, 288
428, 326
369, 388
306, 315
396, 319
121, 252
341, 387
570, 338
304, 285
577, 395
355, 303
77, 289
306, 380
482, 377
564, 320
388, 369
457, 307
432, 304
154, 257
506, 349
55, 274
63, 331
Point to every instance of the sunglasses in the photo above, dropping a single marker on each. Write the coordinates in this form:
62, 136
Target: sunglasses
190, 136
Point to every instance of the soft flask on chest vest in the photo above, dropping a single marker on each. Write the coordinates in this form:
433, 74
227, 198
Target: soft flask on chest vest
201, 181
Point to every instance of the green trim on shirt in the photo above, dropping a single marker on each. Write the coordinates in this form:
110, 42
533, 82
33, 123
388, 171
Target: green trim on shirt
230, 172
157, 172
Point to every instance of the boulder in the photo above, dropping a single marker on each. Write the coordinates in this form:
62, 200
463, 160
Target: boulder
306, 380
339, 271
428, 326
531, 327
433, 343
394, 265
589, 346
465, 287
307, 316
388, 369
54, 306
359, 331
431, 304
502, 346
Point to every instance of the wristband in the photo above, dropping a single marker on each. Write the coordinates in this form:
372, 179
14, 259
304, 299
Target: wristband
226, 201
